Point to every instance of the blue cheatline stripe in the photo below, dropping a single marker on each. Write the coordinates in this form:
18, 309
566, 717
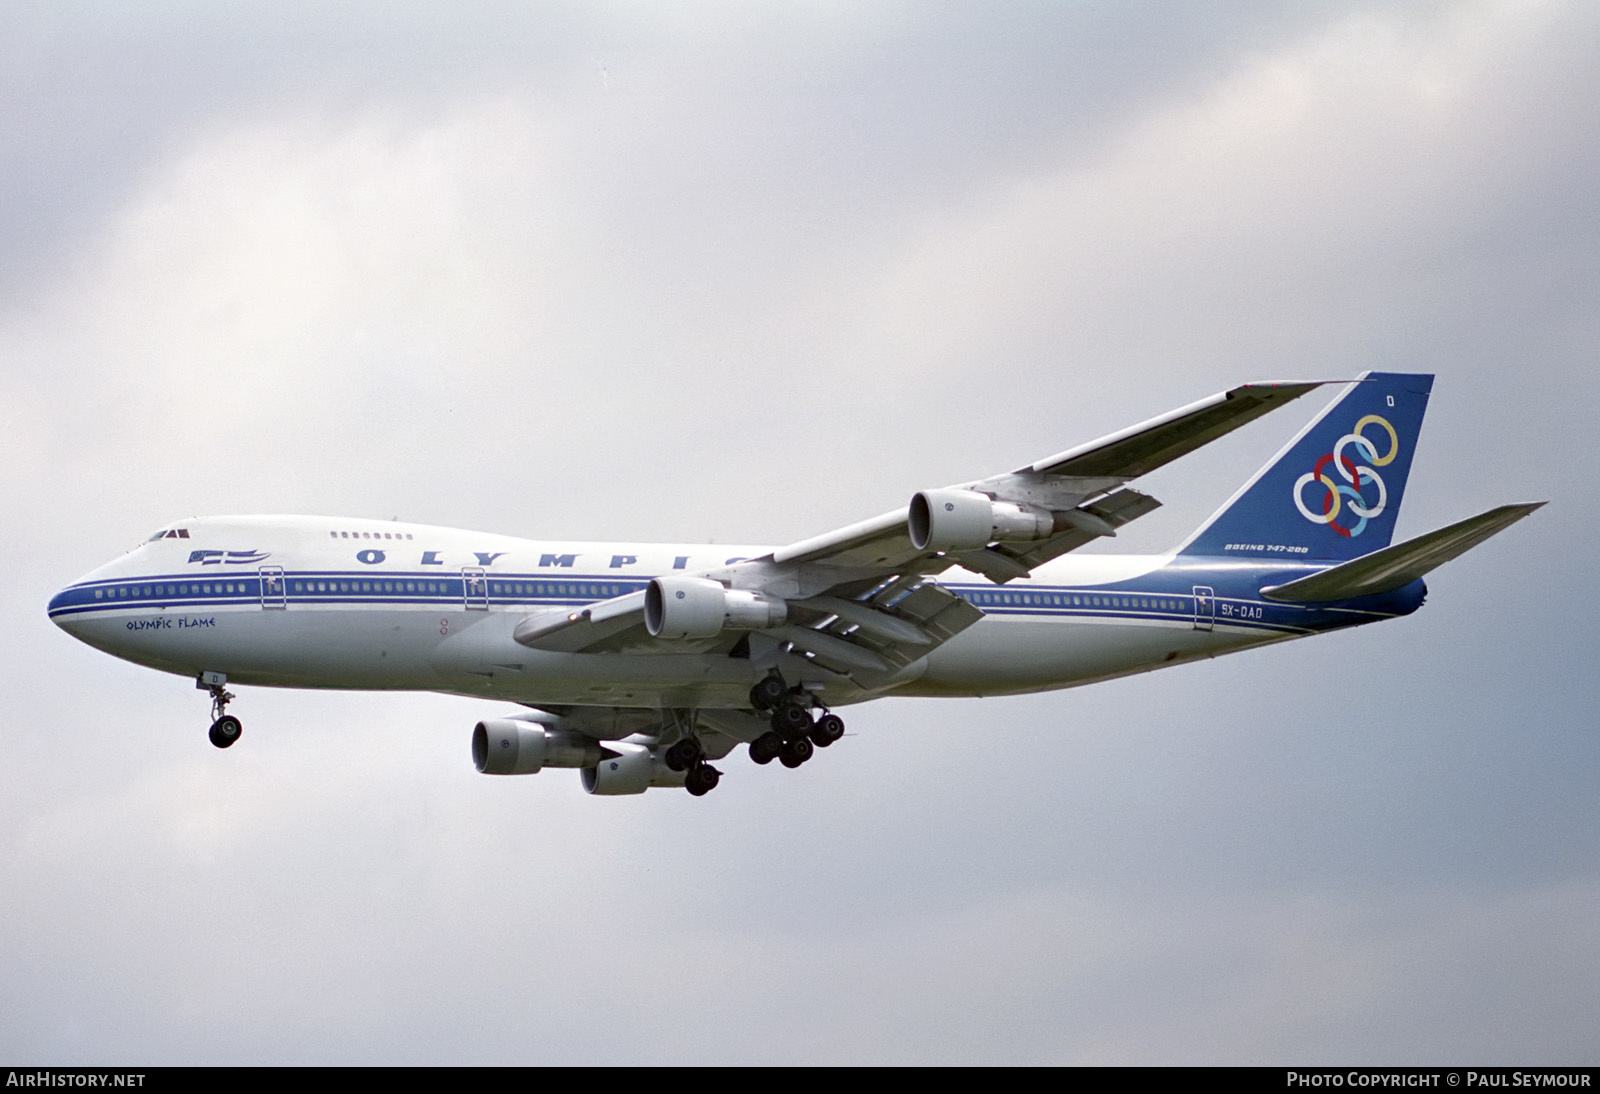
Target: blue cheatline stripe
1051, 602
1235, 612
356, 587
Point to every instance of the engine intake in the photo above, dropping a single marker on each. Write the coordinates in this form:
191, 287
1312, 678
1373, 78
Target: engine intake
501, 746
965, 520
697, 607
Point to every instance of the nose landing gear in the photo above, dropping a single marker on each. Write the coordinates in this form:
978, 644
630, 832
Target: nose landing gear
225, 728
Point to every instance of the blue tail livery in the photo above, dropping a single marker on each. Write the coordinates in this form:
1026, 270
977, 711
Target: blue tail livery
1334, 491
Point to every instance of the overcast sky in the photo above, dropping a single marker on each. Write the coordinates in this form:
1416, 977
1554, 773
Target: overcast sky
745, 273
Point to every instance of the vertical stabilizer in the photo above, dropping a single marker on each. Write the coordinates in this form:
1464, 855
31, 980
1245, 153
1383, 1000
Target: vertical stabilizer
1333, 493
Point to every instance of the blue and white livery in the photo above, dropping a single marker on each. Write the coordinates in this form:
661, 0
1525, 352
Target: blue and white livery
642, 664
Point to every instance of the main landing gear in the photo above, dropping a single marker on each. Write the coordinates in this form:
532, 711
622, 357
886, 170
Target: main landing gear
795, 735
225, 728
702, 779
689, 755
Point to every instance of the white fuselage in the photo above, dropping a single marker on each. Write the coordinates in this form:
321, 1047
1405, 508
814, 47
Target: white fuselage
321, 602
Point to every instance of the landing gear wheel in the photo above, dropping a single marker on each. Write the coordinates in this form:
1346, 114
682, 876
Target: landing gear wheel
796, 752
684, 755
225, 730
765, 748
791, 720
768, 692
702, 780
829, 728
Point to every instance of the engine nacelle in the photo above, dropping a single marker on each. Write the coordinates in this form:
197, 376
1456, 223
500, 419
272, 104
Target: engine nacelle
697, 607
965, 520
502, 746
632, 769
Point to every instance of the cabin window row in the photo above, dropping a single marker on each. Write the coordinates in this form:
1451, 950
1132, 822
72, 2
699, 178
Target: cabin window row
126, 592
594, 590
497, 588
526, 588
1078, 600
368, 587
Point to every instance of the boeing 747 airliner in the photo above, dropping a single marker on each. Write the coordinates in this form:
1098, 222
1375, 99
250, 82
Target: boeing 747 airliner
642, 664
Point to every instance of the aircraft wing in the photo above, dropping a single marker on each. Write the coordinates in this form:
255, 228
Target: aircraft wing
1142, 448
1065, 481
857, 599
867, 638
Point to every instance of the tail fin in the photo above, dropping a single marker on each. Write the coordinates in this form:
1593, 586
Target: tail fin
1334, 491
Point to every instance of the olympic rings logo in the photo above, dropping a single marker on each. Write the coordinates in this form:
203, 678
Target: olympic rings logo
1356, 479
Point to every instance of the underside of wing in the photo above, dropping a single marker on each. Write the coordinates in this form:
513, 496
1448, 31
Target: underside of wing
862, 635
1000, 562
604, 624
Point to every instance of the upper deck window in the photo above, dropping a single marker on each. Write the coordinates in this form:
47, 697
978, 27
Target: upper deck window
334, 534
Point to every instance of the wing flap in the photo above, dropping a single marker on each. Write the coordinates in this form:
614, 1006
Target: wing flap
880, 637
1102, 518
1401, 564
937, 612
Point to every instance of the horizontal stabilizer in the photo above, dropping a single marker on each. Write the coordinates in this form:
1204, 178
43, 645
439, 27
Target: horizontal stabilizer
1392, 567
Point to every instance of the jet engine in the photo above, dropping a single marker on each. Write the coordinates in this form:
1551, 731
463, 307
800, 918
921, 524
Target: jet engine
965, 520
629, 769
697, 607
502, 746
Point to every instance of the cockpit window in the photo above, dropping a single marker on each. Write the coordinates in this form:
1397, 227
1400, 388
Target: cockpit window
169, 533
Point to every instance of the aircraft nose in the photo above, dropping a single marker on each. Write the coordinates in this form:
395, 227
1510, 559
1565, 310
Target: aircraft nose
65, 608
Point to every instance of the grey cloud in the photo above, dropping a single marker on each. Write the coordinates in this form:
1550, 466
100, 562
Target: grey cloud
750, 273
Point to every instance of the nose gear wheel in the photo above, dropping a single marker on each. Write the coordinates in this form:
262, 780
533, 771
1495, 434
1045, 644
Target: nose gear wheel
225, 728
